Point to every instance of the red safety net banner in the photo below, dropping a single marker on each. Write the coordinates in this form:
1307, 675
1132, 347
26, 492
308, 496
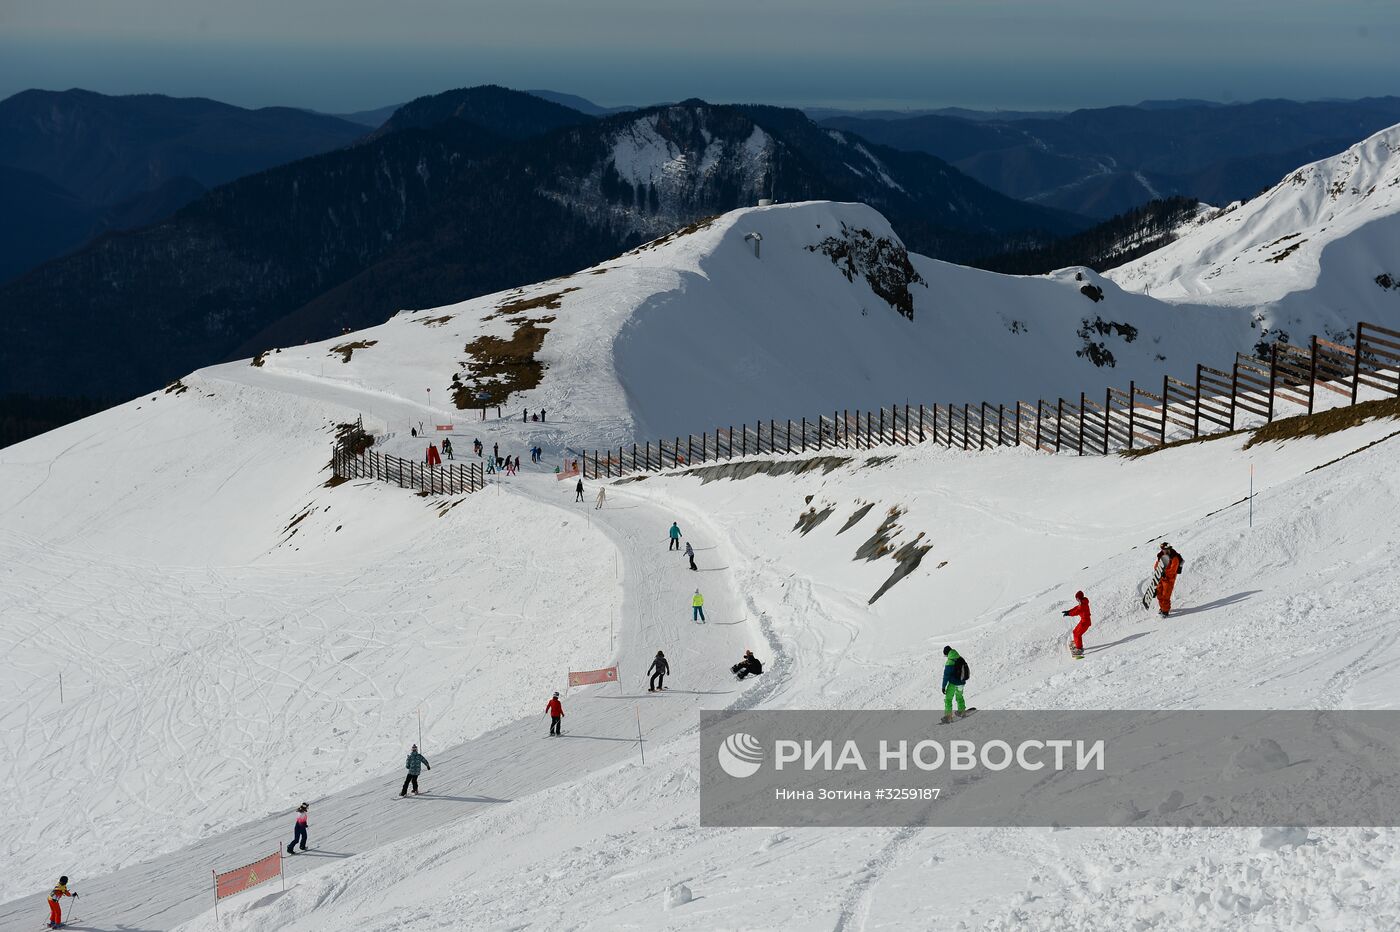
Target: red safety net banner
443, 426
250, 875
567, 473
589, 677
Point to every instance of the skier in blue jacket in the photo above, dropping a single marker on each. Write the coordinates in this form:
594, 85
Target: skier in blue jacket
675, 536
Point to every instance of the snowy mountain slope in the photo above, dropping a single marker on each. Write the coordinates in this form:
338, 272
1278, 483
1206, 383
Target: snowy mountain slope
233, 637
1295, 611
1317, 240
695, 332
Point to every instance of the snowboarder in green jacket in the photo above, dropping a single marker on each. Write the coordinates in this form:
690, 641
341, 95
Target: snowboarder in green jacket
955, 674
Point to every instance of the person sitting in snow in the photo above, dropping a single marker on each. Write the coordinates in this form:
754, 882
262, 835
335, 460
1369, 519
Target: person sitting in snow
749, 666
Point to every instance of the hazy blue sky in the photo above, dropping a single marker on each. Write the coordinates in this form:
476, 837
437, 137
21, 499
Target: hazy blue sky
357, 54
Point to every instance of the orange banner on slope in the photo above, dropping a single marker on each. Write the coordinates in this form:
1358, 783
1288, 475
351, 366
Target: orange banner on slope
250, 875
589, 677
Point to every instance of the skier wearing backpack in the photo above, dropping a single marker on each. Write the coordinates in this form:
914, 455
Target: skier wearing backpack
414, 765
1080, 611
956, 673
1168, 567
60, 890
658, 670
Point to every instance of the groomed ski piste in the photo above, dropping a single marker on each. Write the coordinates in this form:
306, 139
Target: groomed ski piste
234, 636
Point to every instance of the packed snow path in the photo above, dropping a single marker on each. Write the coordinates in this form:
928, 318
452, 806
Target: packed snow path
503, 766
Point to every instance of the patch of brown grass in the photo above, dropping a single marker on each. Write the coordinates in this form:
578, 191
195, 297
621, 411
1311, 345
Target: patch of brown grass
346, 350
1291, 428
1327, 422
1285, 253
552, 301
1204, 438
435, 321
501, 365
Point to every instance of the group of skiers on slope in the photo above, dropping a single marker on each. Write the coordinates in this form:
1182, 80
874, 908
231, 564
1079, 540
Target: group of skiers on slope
1167, 568
675, 535
414, 764
1165, 571
748, 665
494, 463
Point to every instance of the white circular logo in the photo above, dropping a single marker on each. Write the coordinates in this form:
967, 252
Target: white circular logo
740, 755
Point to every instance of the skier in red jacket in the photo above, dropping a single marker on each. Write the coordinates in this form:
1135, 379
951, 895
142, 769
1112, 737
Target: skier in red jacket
555, 710
1080, 611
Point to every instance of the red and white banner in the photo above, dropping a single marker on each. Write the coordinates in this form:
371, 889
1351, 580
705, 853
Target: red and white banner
589, 677
443, 426
250, 875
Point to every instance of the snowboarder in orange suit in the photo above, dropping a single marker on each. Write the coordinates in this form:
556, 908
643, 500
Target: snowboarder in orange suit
1080, 611
1169, 564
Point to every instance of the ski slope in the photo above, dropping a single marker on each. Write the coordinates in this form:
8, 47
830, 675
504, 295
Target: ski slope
1295, 611
234, 636
588, 837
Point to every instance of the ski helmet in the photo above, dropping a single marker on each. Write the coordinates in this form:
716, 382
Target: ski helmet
1079, 595
556, 695
63, 879
946, 649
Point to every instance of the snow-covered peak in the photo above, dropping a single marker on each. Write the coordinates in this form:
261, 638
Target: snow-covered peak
1256, 253
787, 311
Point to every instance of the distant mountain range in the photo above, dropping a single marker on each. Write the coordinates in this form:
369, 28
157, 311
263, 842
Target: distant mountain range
1104, 162
74, 164
191, 231
459, 194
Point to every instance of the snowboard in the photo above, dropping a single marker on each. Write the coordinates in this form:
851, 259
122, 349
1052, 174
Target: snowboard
966, 712
1150, 592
